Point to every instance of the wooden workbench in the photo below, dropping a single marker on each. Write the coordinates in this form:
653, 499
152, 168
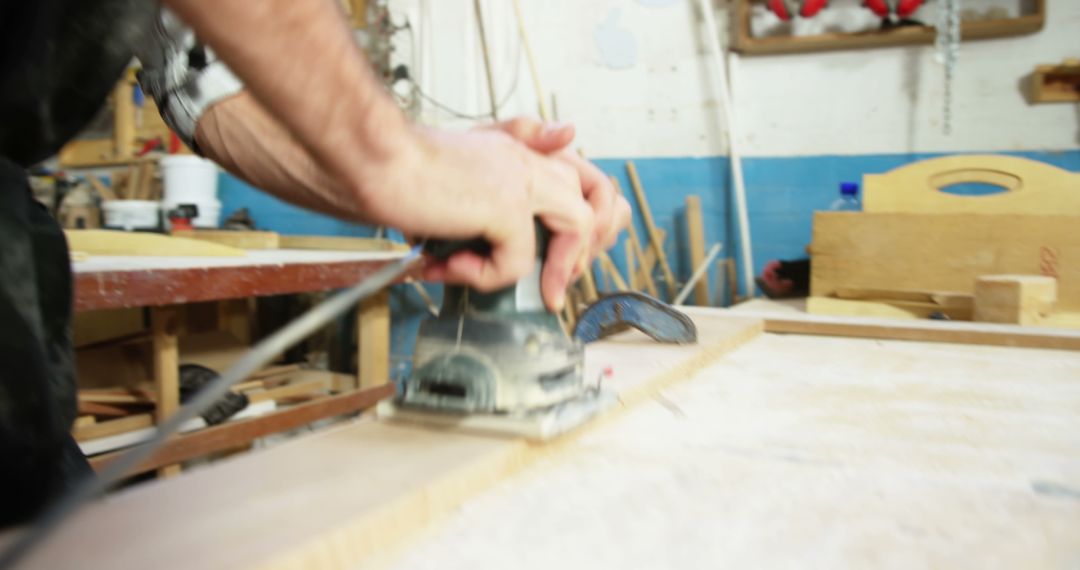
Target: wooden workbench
112, 282
750, 449
165, 283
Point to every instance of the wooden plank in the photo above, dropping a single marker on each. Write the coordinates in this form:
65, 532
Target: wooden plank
695, 237
650, 227
118, 289
943, 252
866, 447
232, 434
1032, 187
927, 331
164, 322
113, 427
311, 511
339, 243
291, 389
111, 242
373, 340
237, 239
100, 409
117, 396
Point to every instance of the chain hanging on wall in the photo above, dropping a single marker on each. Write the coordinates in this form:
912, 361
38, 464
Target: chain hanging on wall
947, 43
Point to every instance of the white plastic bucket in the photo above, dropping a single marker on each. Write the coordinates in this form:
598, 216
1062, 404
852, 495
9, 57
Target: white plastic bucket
188, 179
209, 212
131, 214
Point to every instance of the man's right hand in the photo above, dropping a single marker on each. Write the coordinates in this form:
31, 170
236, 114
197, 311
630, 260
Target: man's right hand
484, 183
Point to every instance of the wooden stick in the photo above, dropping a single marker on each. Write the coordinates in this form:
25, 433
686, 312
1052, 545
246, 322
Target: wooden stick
631, 272
695, 236
606, 262
645, 277
540, 97
650, 226
732, 280
588, 285
104, 191
699, 273
478, 12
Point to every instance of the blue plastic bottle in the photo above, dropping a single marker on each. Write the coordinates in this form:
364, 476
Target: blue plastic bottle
848, 200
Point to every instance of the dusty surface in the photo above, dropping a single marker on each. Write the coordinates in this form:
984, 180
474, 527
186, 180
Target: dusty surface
805, 452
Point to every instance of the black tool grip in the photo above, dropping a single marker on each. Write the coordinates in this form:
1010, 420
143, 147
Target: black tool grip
442, 249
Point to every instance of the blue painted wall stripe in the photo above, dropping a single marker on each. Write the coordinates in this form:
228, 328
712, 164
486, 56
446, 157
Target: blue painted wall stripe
782, 195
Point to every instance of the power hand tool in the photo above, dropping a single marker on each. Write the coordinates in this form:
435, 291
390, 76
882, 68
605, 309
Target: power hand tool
501, 362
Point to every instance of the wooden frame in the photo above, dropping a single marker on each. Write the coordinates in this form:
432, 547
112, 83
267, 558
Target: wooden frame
745, 43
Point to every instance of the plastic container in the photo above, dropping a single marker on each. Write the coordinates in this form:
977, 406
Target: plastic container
132, 214
208, 216
188, 179
848, 200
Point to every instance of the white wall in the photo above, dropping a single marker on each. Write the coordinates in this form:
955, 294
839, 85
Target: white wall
661, 104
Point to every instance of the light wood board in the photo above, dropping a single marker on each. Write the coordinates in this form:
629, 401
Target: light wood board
943, 252
1032, 187
111, 242
842, 453
337, 498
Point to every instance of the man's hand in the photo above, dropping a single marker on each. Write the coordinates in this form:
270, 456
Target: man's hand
483, 183
610, 209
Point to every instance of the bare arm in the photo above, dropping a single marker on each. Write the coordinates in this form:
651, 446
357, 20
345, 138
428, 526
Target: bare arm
335, 141
240, 135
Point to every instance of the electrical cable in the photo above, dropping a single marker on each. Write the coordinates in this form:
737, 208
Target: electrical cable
301, 327
450, 110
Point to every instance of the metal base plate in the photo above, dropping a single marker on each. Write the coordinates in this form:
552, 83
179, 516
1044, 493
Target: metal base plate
537, 425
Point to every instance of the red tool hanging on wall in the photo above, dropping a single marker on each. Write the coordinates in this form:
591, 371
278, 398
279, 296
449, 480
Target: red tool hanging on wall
787, 9
893, 9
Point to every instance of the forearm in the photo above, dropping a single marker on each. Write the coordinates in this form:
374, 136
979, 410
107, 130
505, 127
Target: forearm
300, 62
240, 135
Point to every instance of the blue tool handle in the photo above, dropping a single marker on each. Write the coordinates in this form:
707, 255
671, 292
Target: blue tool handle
620, 311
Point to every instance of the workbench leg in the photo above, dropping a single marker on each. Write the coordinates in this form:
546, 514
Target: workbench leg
373, 340
234, 318
165, 322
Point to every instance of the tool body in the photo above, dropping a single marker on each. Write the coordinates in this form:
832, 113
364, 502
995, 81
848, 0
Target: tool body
500, 362
500, 353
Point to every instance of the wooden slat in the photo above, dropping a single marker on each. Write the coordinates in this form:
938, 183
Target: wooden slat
165, 322
949, 332
113, 242
373, 340
113, 427
650, 227
233, 434
695, 237
339, 243
237, 239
